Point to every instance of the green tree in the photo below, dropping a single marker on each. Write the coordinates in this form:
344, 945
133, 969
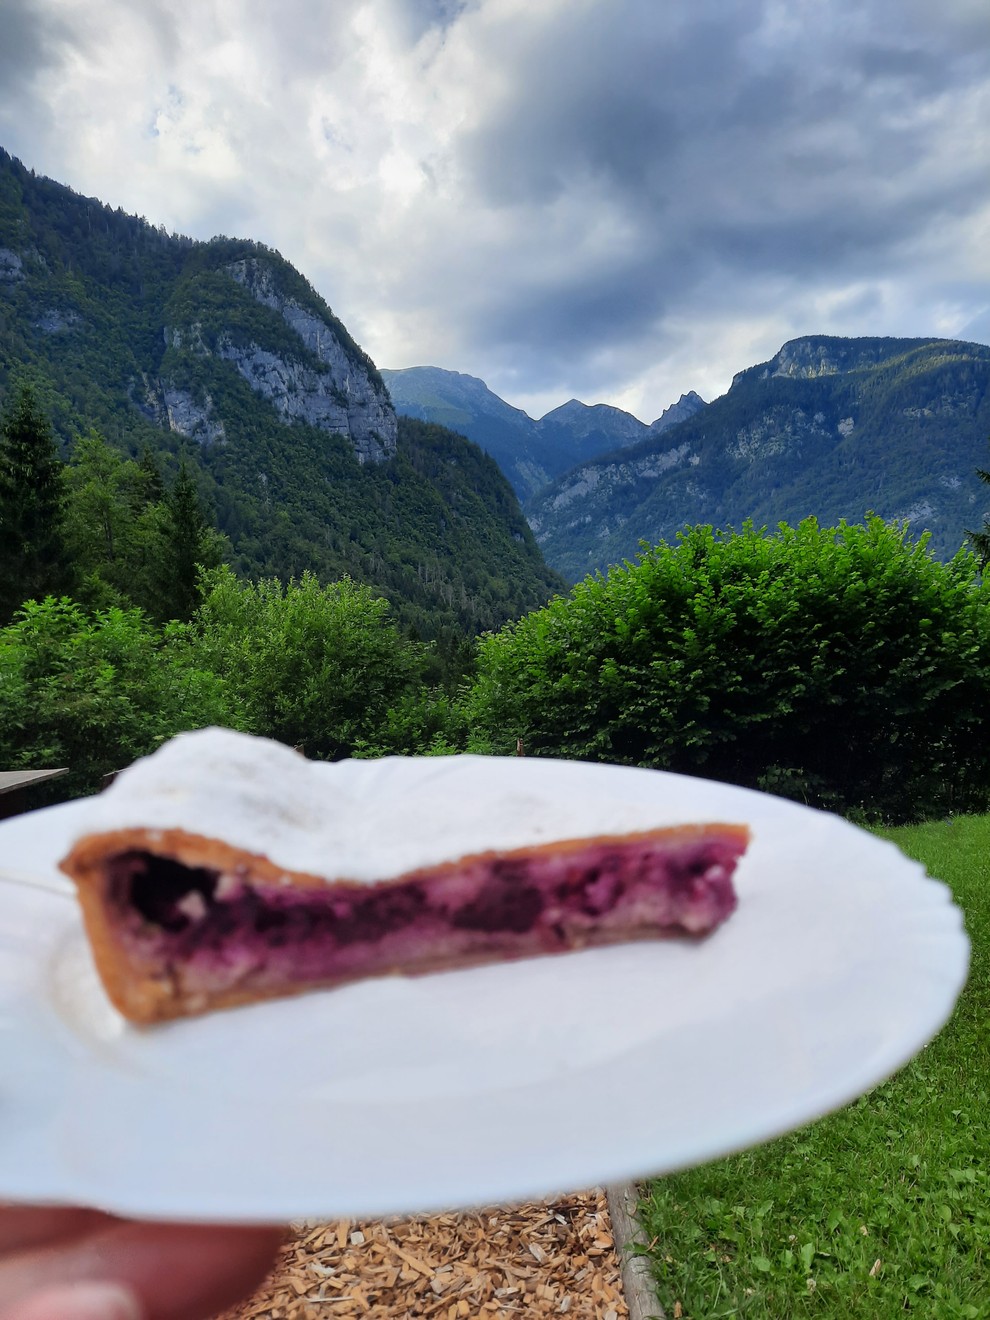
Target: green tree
33, 559
150, 487
846, 667
313, 666
100, 520
188, 544
133, 542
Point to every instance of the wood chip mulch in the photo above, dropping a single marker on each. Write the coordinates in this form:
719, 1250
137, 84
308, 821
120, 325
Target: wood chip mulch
551, 1259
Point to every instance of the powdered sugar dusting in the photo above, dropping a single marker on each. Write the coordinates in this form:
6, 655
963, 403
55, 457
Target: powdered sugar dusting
368, 820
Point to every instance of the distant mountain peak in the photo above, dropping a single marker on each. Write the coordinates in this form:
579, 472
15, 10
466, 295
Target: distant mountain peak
574, 408
530, 453
686, 406
610, 427
571, 408
418, 391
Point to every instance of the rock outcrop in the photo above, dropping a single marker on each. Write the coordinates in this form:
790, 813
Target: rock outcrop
185, 415
320, 378
343, 397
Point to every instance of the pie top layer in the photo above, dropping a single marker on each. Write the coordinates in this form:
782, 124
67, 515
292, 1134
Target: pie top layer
369, 820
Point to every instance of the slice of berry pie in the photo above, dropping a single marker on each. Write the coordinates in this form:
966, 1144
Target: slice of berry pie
226, 869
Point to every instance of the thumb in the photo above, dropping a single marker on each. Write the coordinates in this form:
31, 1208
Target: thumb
78, 1301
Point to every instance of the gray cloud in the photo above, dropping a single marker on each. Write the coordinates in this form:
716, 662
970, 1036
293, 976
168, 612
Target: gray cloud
24, 47
414, 18
32, 42
606, 94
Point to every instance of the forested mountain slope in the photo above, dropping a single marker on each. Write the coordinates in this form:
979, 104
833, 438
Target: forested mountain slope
828, 427
223, 352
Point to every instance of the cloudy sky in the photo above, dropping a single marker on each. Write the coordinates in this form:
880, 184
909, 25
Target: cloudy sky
614, 200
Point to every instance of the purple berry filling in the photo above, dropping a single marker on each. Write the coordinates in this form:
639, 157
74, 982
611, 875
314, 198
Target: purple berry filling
221, 930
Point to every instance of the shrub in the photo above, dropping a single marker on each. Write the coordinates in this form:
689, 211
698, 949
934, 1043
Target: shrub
423, 722
844, 666
94, 691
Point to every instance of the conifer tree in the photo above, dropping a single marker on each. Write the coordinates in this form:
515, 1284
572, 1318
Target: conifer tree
113, 539
97, 514
33, 558
189, 544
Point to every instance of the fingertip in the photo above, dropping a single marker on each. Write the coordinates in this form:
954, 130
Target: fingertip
80, 1301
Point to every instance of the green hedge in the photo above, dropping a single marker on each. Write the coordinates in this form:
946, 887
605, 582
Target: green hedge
845, 667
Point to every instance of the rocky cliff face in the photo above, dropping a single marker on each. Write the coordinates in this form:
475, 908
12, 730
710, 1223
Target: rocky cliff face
197, 420
342, 398
293, 442
826, 355
11, 265
322, 381
587, 503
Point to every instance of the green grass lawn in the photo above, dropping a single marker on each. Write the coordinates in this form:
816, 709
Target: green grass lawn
879, 1210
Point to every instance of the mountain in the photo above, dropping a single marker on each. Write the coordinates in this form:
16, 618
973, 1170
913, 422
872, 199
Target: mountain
466, 405
530, 453
686, 406
223, 352
828, 427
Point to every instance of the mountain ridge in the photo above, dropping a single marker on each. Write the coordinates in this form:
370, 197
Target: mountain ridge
222, 351
828, 427
530, 451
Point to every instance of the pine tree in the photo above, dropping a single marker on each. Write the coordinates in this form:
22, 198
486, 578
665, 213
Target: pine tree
33, 558
189, 544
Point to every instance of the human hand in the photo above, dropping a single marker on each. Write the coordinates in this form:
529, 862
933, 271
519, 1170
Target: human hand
74, 1264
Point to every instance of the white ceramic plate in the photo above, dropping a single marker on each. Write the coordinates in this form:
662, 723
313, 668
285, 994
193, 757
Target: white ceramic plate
483, 1086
